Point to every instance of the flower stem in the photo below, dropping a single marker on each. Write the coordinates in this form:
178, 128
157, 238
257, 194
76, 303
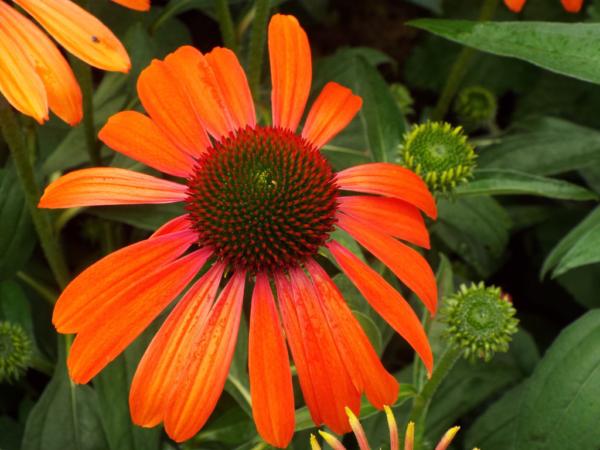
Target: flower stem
420, 406
460, 67
13, 135
84, 75
257, 45
226, 24
46, 292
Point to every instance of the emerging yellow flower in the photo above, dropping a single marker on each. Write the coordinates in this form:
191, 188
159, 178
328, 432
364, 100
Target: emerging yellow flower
34, 75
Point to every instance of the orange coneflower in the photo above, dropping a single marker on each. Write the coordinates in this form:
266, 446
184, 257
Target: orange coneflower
34, 75
573, 6
261, 202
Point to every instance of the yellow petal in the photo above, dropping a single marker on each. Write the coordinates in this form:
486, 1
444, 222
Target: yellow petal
64, 94
80, 33
19, 82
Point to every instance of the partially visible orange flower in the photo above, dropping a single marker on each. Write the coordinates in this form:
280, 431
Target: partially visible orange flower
573, 6
34, 75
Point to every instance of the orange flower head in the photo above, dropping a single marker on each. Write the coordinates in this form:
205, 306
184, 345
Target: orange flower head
258, 203
34, 75
572, 6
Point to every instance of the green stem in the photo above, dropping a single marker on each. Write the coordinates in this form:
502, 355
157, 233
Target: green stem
13, 136
420, 406
45, 291
84, 75
257, 45
460, 67
226, 24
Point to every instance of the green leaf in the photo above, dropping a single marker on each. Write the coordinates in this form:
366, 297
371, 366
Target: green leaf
238, 384
568, 49
544, 146
112, 387
371, 330
476, 229
513, 182
10, 434
17, 237
559, 410
581, 246
67, 416
145, 217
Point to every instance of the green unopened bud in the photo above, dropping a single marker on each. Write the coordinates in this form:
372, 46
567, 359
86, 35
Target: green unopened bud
15, 351
403, 98
475, 106
440, 154
480, 321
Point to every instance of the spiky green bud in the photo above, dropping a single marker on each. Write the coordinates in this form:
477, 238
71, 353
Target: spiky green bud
15, 351
480, 321
440, 154
475, 106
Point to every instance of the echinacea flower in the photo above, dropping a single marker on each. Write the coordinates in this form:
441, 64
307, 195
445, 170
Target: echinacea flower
261, 201
34, 75
363, 443
572, 6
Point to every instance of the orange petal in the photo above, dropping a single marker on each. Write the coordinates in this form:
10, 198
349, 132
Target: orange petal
202, 381
291, 70
331, 112
109, 186
362, 362
129, 314
390, 180
180, 223
138, 5
406, 263
19, 82
269, 367
391, 216
386, 300
306, 326
64, 95
515, 5
165, 101
572, 6
169, 351
80, 33
137, 136
81, 301
233, 86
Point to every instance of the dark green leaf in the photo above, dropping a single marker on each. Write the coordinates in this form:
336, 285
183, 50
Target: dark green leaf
145, 217
545, 146
564, 48
513, 182
560, 408
238, 384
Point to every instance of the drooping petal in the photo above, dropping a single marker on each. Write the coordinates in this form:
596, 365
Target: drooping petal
332, 111
79, 32
129, 314
406, 263
81, 301
202, 380
269, 368
64, 95
233, 86
358, 430
179, 223
363, 364
137, 136
572, 6
447, 438
333, 442
393, 427
390, 215
138, 5
19, 82
320, 360
515, 5
169, 106
386, 300
109, 186
158, 371
409, 437
390, 180
291, 70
